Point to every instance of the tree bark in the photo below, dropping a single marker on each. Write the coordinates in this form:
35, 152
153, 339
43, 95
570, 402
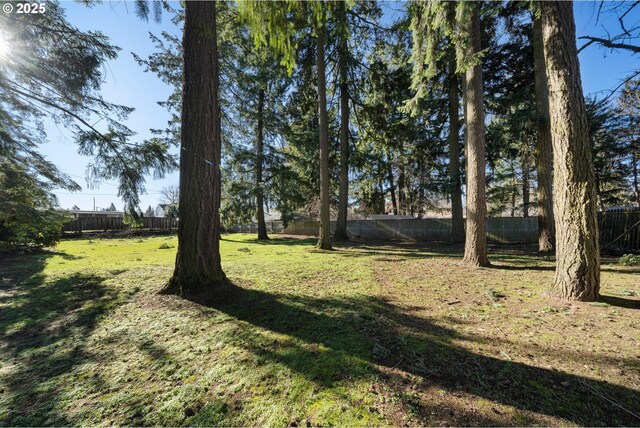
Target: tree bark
324, 238
422, 195
578, 260
381, 198
343, 196
198, 271
392, 186
402, 195
475, 249
262, 227
636, 188
457, 219
525, 186
514, 191
544, 152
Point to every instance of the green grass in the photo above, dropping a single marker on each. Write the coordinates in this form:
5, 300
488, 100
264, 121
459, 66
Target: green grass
364, 335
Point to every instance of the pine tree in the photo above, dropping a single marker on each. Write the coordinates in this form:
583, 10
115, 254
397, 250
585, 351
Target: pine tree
324, 237
343, 54
56, 72
475, 250
544, 155
457, 219
198, 271
577, 253
271, 25
431, 23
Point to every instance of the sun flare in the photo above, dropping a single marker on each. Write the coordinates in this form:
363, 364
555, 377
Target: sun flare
4, 45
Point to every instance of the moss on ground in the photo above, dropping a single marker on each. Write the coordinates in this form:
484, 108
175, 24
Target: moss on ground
369, 334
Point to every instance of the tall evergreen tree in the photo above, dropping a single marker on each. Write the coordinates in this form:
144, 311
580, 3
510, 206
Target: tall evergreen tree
271, 25
324, 236
629, 109
431, 22
612, 153
457, 219
198, 270
577, 253
55, 71
475, 250
343, 58
262, 227
544, 155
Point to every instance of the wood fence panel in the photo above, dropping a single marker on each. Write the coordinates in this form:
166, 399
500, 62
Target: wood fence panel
620, 230
104, 224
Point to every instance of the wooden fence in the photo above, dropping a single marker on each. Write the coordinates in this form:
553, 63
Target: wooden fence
103, 224
620, 230
499, 229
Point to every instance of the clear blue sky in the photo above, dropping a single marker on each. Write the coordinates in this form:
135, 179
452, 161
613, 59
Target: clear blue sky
127, 84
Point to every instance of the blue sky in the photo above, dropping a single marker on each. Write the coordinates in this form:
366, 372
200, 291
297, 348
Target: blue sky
126, 83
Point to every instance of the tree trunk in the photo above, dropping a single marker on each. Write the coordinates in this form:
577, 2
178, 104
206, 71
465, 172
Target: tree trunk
525, 186
457, 219
343, 197
402, 195
599, 192
392, 186
381, 199
475, 249
422, 194
544, 152
514, 191
262, 227
577, 253
198, 271
324, 238
636, 188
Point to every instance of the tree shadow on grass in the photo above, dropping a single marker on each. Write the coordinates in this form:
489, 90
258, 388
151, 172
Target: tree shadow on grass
519, 256
522, 267
620, 302
302, 241
611, 268
44, 326
341, 339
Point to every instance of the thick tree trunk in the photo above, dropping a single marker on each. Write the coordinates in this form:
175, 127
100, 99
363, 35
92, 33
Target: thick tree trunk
457, 218
324, 238
475, 249
343, 196
544, 152
198, 271
262, 227
577, 253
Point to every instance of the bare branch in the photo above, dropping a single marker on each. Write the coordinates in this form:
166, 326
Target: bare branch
608, 43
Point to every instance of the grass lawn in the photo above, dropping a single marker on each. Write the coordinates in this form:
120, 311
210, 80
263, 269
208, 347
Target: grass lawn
369, 334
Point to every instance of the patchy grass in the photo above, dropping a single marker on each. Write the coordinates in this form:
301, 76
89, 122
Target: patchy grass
369, 334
